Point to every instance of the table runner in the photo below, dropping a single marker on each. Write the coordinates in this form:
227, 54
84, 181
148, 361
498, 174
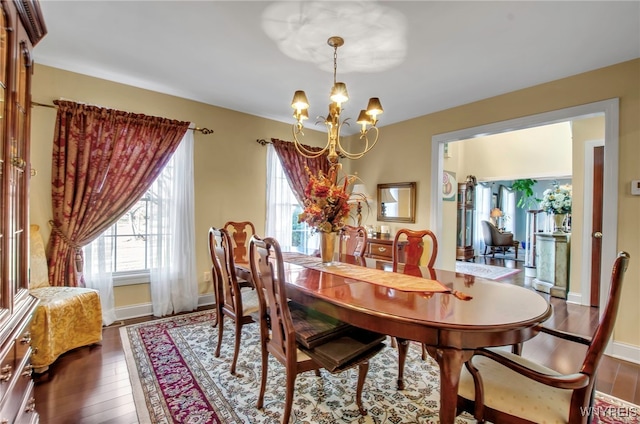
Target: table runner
392, 280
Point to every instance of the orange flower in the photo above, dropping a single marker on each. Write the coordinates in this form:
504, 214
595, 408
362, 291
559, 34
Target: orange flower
325, 204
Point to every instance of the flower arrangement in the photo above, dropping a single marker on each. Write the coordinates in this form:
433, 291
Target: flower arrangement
325, 203
557, 200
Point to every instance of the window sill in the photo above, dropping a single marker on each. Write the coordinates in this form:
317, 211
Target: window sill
130, 279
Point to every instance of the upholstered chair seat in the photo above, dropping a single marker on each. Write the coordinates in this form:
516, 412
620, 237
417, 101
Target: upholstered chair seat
511, 392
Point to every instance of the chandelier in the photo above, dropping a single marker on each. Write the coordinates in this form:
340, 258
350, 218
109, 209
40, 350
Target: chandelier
367, 119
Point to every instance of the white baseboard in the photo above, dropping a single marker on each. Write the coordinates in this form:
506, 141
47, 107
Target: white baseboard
573, 297
625, 352
145, 309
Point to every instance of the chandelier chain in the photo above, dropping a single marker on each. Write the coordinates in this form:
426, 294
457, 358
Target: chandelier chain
335, 63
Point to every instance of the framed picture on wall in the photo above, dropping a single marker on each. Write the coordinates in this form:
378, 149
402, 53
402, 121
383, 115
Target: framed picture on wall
449, 186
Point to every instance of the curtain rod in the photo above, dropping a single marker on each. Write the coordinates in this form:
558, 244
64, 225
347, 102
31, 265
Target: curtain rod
202, 130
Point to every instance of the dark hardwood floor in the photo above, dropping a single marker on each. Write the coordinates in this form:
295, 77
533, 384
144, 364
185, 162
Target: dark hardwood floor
91, 384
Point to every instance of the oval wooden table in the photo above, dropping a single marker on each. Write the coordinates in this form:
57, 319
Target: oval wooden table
497, 314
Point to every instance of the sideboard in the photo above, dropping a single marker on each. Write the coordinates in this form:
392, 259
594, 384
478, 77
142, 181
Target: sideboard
382, 248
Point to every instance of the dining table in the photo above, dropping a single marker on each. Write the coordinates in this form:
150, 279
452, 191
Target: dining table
452, 313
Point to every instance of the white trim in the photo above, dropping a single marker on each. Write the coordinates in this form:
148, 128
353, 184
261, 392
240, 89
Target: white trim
610, 108
625, 352
574, 297
145, 309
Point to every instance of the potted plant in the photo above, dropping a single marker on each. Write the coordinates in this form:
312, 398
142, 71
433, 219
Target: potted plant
525, 186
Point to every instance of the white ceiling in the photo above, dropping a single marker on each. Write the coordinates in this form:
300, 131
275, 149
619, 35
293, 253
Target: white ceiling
418, 57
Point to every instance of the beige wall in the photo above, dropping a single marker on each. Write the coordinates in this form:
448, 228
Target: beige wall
230, 166
532, 153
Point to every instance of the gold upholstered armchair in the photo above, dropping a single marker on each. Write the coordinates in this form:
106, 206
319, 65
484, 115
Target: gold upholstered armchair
66, 317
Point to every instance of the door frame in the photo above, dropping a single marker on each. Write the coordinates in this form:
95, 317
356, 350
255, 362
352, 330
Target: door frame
610, 108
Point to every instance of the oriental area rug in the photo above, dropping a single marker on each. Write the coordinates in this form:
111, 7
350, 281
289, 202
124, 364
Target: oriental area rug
490, 272
177, 379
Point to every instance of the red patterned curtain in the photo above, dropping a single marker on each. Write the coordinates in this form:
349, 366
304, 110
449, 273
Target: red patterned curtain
293, 165
104, 160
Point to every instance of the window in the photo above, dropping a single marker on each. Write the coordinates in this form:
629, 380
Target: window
283, 210
128, 244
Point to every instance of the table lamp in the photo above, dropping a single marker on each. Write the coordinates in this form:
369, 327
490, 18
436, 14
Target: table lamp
359, 194
386, 197
496, 214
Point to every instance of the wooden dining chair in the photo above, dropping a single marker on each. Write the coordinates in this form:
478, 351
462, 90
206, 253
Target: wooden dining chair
352, 241
414, 247
502, 387
277, 328
232, 301
413, 244
240, 233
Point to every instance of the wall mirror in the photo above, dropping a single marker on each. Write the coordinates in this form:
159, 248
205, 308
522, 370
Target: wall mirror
397, 202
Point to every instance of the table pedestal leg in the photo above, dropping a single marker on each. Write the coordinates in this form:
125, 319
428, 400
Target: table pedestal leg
450, 362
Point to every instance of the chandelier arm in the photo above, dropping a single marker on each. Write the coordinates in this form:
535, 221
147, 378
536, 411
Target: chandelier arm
303, 150
368, 145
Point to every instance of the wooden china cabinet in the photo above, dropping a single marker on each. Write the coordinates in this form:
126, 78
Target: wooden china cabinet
466, 206
21, 27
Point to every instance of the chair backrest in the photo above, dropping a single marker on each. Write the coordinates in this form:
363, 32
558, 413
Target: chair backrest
276, 326
487, 233
414, 247
240, 233
225, 282
607, 319
353, 240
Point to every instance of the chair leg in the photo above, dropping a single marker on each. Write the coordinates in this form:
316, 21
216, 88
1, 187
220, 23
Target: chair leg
263, 379
236, 347
220, 329
403, 348
288, 400
363, 368
424, 352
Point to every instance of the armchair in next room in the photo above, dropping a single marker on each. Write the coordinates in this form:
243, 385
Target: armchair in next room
497, 240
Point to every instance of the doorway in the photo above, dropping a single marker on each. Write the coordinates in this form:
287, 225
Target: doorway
610, 181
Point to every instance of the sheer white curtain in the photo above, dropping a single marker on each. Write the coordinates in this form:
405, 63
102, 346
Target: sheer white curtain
483, 212
508, 200
98, 257
174, 286
280, 208
174, 283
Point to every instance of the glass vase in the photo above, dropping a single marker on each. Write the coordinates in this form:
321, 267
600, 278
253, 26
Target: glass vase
327, 246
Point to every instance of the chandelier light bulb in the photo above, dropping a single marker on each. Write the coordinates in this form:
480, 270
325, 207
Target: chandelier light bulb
339, 93
300, 101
